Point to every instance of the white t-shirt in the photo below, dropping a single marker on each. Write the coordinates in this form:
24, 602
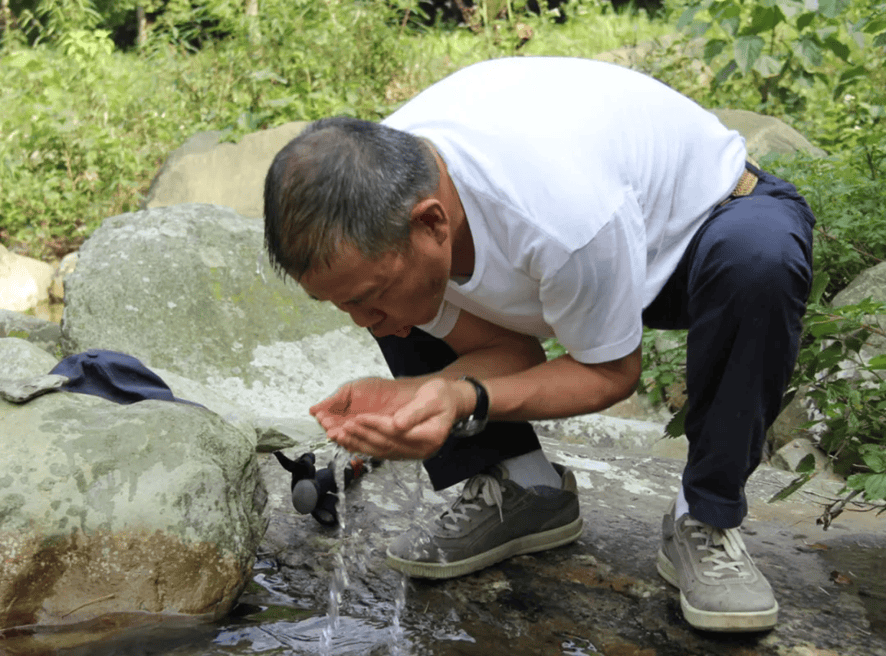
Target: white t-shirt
582, 182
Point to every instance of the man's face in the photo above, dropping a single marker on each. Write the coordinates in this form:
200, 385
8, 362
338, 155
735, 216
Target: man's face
390, 294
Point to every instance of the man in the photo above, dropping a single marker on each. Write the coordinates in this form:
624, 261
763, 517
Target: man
526, 198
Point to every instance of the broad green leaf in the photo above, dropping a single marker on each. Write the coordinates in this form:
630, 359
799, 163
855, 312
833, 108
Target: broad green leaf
713, 48
747, 50
808, 50
825, 328
790, 8
874, 486
768, 66
806, 465
819, 283
837, 47
763, 19
730, 25
726, 10
687, 16
676, 427
832, 8
875, 26
805, 20
874, 456
877, 362
698, 28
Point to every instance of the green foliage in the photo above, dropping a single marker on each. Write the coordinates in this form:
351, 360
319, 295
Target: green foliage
664, 363
85, 127
60, 169
782, 48
848, 388
849, 206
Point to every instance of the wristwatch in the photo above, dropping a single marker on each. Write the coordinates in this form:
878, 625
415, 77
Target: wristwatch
476, 421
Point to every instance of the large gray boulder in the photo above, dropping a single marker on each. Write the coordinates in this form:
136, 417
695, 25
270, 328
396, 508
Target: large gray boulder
766, 135
152, 507
206, 169
186, 289
43, 333
870, 283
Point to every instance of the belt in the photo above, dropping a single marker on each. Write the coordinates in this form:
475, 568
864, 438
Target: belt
746, 184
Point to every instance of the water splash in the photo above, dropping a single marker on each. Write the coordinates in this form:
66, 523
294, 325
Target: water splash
398, 637
340, 580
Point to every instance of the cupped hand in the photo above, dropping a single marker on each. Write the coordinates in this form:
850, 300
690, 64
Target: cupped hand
399, 422
365, 395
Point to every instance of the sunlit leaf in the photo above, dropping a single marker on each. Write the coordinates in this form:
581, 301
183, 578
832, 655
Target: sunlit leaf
768, 66
809, 51
875, 487
747, 50
874, 456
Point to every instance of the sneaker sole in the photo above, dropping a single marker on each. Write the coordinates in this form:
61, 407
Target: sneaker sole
716, 621
533, 542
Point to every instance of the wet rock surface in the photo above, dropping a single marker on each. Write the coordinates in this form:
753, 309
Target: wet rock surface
601, 594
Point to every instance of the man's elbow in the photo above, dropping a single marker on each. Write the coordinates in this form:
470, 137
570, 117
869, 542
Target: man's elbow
628, 379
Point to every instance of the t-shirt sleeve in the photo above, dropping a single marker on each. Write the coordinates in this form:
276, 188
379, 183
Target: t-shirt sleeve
593, 301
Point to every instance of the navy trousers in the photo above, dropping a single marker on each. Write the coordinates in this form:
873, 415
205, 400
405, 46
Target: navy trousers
741, 290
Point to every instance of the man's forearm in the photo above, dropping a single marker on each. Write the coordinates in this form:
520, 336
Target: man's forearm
504, 358
562, 387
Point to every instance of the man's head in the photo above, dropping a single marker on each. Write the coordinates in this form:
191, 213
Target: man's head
344, 182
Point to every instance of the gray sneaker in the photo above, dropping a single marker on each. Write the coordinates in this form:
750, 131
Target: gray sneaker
492, 519
720, 587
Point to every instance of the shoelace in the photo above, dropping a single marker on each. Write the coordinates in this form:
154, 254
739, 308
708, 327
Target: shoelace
725, 549
480, 487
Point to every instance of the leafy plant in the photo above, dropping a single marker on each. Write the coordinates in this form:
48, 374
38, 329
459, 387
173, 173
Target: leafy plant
781, 46
848, 389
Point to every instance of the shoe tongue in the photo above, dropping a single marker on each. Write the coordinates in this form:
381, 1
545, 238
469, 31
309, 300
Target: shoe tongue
499, 471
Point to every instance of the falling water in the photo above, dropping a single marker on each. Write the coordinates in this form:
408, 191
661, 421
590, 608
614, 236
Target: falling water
397, 636
340, 580
413, 490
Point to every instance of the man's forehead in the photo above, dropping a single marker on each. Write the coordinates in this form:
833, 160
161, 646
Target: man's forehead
347, 278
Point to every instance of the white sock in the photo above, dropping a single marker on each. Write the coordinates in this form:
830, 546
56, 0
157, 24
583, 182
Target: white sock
682, 505
532, 469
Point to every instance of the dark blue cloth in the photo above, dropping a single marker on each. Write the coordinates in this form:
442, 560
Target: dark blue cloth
741, 290
420, 353
114, 376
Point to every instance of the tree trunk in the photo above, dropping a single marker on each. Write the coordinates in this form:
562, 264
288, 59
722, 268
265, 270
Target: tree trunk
142, 34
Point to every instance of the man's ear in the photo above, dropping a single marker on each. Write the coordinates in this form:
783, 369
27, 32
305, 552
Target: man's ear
428, 214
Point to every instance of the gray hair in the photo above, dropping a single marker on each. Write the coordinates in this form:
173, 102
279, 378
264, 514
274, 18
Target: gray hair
344, 181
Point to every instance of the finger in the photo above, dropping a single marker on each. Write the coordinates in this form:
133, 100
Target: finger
420, 441
376, 432
361, 439
336, 403
329, 421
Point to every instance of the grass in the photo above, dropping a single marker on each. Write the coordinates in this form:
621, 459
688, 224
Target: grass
84, 131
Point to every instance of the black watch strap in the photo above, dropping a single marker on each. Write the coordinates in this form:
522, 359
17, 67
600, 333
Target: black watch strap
476, 421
